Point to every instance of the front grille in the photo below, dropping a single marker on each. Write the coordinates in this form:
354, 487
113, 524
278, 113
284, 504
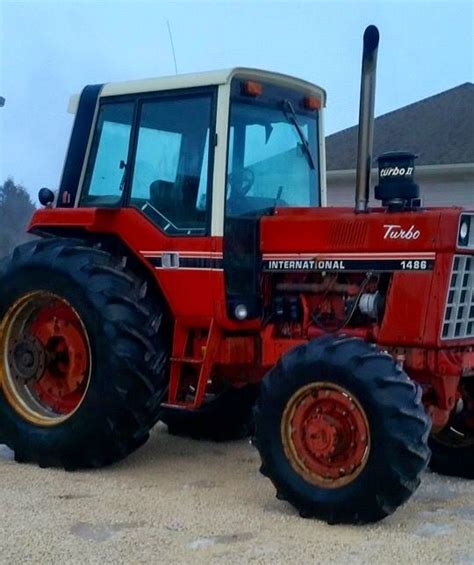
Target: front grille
459, 314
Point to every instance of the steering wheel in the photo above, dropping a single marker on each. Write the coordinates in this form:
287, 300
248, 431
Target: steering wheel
241, 181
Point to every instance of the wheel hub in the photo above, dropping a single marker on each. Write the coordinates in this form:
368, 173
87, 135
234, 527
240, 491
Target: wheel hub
320, 436
26, 358
325, 434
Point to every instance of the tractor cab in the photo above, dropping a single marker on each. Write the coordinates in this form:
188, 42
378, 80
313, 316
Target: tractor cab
190, 164
188, 150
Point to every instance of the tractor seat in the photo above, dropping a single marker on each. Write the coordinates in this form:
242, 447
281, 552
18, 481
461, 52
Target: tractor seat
177, 201
163, 196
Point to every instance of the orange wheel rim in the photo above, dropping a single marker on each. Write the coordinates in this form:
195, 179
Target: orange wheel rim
45, 367
325, 434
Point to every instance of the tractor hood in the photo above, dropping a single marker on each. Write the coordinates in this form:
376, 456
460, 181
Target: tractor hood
324, 232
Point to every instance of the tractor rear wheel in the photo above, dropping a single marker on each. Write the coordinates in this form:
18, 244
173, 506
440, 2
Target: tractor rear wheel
83, 355
226, 416
453, 447
341, 431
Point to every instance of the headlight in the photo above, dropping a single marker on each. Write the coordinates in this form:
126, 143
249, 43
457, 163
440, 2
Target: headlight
465, 234
464, 230
241, 312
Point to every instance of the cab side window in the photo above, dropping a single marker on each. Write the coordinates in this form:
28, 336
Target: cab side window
105, 174
170, 179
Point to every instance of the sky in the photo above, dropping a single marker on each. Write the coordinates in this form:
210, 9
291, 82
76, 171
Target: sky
50, 50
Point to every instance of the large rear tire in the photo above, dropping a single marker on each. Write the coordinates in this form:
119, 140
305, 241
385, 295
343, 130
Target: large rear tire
83, 358
341, 431
227, 416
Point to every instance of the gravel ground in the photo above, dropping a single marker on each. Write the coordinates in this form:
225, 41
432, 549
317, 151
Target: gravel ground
181, 501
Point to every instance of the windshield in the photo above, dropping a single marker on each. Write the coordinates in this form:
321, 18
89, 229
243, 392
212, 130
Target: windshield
273, 158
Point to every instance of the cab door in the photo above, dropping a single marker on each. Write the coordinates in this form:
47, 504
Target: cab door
153, 156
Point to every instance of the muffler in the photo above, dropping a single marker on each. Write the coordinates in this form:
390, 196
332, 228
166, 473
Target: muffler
366, 118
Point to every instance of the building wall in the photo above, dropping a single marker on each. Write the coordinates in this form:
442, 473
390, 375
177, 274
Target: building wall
447, 185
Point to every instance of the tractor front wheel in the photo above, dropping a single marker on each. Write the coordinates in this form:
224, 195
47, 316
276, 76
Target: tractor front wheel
83, 355
341, 431
453, 447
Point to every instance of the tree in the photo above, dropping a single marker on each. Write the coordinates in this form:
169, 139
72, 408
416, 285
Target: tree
16, 209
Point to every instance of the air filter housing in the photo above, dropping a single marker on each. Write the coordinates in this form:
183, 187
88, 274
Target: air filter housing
397, 188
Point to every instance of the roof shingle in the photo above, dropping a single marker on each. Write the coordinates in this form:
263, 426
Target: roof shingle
439, 129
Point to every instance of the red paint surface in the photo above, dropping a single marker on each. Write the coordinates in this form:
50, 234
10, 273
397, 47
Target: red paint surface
415, 300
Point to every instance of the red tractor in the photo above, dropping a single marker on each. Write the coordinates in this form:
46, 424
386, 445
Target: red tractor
189, 271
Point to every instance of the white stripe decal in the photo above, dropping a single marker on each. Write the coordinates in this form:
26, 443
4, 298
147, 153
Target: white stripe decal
216, 254
186, 269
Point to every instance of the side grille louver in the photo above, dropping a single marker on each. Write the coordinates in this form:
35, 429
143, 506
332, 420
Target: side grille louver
346, 234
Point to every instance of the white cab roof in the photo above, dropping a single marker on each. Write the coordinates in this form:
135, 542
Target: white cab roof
210, 78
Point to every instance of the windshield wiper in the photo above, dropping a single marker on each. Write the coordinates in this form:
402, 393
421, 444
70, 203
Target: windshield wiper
293, 118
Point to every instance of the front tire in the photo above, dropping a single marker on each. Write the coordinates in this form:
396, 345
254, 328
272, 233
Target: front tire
341, 431
453, 447
84, 354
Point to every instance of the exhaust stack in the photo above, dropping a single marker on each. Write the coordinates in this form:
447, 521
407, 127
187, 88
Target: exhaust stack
366, 117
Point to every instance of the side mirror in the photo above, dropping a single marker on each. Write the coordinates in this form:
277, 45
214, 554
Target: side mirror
46, 196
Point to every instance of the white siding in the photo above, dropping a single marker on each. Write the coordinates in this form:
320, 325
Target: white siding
449, 185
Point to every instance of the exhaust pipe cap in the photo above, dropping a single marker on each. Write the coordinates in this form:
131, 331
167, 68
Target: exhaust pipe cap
371, 38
